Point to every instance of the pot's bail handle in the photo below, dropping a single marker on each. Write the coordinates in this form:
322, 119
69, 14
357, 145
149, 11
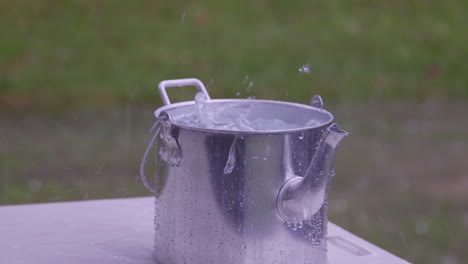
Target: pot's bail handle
179, 83
157, 126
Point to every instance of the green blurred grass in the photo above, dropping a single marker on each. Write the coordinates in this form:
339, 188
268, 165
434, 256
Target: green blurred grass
57, 54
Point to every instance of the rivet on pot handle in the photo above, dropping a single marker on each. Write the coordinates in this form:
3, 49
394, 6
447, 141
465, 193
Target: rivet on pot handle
179, 83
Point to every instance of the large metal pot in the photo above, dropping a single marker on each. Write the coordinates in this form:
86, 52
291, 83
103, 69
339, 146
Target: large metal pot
242, 197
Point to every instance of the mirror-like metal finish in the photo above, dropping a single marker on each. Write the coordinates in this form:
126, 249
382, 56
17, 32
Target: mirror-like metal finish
219, 195
301, 197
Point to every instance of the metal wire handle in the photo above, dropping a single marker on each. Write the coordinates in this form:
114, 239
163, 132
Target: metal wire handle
179, 83
145, 157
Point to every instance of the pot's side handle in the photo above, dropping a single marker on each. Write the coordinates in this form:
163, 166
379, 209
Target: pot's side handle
179, 83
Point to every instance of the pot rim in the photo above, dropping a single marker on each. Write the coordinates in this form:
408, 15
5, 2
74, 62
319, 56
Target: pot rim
166, 108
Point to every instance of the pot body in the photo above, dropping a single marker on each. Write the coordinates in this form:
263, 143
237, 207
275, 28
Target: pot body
218, 202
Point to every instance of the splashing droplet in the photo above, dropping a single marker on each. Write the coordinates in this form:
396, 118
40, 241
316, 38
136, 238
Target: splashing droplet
250, 87
301, 135
245, 79
305, 69
231, 162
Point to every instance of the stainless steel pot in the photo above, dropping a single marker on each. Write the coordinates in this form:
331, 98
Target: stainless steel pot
242, 197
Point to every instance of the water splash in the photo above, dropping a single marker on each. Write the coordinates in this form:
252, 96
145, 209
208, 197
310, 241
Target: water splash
231, 162
169, 151
295, 225
233, 117
200, 106
312, 122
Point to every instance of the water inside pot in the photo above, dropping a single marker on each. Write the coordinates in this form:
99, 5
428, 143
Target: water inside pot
247, 115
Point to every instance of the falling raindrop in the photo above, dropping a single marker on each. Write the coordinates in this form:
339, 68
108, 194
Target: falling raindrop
305, 69
182, 19
35, 185
421, 227
54, 198
250, 87
5, 182
403, 238
245, 80
209, 83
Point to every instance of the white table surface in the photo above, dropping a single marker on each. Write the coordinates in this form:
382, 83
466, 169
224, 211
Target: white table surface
121, 231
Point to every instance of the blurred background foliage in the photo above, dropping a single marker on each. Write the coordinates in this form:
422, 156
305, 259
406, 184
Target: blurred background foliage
78, 79
55, 54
